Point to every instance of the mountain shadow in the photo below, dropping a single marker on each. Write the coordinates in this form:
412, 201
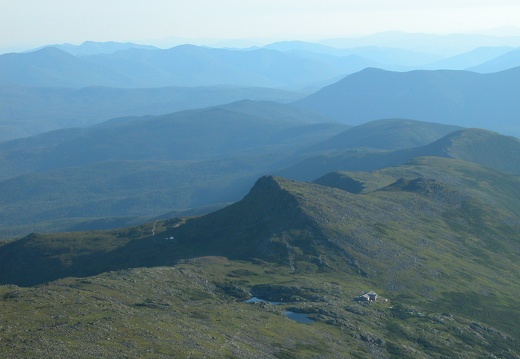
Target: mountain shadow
297, 224
442, 230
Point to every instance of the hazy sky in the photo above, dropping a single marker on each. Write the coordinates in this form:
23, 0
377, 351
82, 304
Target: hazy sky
29, 23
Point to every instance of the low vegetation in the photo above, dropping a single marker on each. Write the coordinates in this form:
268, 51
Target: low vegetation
441, 256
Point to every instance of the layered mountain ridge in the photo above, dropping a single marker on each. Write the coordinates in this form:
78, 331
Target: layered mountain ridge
192, 234
131, 168
418, 240
475, 145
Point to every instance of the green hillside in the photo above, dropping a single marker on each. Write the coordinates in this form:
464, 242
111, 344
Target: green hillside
431, 242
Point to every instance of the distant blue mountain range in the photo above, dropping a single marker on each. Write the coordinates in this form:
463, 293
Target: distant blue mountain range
459, 98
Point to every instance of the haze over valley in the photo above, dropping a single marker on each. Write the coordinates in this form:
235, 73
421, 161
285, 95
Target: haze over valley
211, 188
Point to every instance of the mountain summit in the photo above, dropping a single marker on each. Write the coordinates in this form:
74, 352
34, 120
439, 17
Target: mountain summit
435, 236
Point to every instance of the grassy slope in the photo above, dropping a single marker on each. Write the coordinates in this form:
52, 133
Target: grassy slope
431, 245
187, 311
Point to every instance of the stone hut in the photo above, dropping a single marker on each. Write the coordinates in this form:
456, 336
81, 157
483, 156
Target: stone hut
367, 297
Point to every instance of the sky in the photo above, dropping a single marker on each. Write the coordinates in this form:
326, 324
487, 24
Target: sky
31, 23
